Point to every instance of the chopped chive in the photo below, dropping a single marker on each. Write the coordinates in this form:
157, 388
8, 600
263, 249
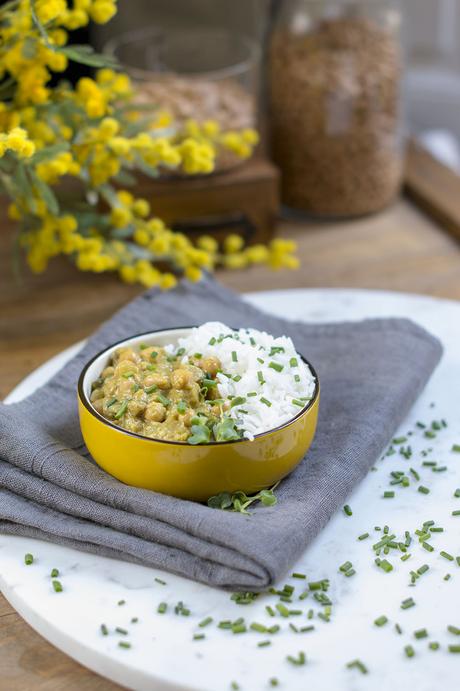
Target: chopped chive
423, 490
162, 607
54, 573
384, 565
274, 681
399, 440
456, 448
276, 366
234, 356
447, 577
456, 513
446, 555
421, 633
363, 536
296, 401
454, 629
381, 621
212, 341
410, 652
406, 604
124, 644
270, 610
128, 375
163, 400
357, 664
121, 602
346, 566
293, 628
347, 510
427, 546
104, 630
199, 636
238, 400
181, 407
301, 659
180, 352
111, 402
134, 620
28, 559
457, 493
154, 354
57, 585
398, 629
239, 628
297, 378
260, 377
433, 645
121, 631
160, 581
454, 648
260, 628
307, 629
293, 362
266, 402
298, 575
251, 394
423, 569
264, 644
205, 622
282, 609
273, 629
415, 474
388, 495
121, 410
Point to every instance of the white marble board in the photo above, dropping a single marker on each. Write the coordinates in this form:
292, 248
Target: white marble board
163, 655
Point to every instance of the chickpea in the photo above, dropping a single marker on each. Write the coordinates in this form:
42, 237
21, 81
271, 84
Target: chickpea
210, 365
146, 354
193, 393
125, 386
126, 367
108, 372
181, 379
155, 412
127, 354
98, 404
136, 406
157, 379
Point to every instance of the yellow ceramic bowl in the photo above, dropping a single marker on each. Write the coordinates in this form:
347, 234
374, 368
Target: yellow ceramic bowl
178, 468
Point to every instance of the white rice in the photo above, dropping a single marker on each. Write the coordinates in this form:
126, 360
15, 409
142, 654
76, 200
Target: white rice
245, 354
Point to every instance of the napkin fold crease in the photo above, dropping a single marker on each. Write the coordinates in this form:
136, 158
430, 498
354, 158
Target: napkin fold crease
371, 373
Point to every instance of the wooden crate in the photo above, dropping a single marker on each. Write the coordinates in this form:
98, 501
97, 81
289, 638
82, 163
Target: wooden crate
244, 200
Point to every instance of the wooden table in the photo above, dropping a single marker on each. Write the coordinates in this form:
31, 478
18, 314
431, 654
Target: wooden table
400, 249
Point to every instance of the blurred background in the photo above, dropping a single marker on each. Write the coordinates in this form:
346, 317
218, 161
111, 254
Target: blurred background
430, 36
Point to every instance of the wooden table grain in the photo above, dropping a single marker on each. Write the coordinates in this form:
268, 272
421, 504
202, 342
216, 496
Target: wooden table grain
400, 249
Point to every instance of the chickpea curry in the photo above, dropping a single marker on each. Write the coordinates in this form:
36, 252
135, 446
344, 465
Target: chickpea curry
152, 392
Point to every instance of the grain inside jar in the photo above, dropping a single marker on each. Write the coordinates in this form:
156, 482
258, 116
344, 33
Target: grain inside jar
335, 116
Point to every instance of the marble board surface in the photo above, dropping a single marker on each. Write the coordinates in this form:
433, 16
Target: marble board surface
163, 654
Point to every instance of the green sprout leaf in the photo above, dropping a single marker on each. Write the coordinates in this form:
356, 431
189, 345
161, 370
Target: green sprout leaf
200, 435
226, 430
240, 501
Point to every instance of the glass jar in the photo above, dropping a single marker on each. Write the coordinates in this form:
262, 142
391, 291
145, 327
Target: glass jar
199, 75
335, 100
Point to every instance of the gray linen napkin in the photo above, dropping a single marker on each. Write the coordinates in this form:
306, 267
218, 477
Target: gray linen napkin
371, 373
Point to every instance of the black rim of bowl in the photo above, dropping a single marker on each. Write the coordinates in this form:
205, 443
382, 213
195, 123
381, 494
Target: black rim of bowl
90, 408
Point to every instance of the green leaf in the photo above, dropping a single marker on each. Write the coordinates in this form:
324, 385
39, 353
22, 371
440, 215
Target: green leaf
86, 55
29, 48
221, 501
200, 435
226, 430
267, 497
48, 152
46, 193
239, 501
